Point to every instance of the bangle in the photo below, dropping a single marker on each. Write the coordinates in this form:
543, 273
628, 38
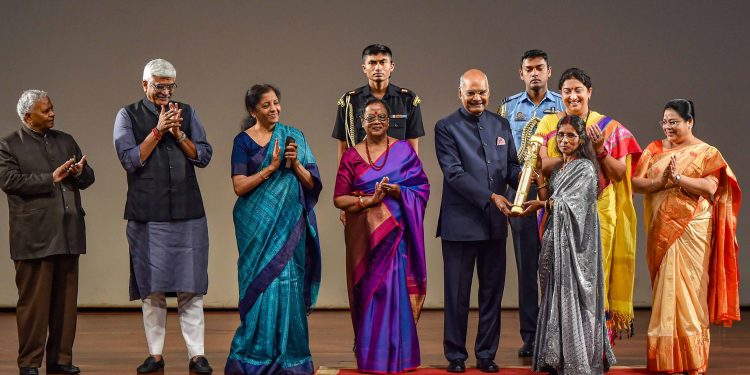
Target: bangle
361, 203
183, 137
602, 154
156, 134
542, 186
261, 175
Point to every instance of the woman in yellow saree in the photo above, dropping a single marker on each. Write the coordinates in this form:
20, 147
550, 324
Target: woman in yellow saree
617, 153
691, 204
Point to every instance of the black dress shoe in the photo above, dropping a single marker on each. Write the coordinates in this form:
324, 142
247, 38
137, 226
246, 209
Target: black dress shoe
28, 371
62, 369
527, 350
151, 365
199, 365
487, 365
456, 365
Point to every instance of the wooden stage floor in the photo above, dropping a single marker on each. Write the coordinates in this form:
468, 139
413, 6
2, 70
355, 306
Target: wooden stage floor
114, 342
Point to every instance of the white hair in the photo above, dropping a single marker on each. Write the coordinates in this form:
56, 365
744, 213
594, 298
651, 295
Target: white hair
158, 68
27, 100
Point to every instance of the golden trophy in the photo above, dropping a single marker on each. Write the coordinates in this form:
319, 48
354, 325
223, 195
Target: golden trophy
529, 162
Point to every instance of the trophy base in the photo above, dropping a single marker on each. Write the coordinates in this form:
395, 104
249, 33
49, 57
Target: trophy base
516, 209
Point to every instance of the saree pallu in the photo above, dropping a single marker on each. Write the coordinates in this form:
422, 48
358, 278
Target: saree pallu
616, 215
385, 261
692, 257
571, 335
279, 262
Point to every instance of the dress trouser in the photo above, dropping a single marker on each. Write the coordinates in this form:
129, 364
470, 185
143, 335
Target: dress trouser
459, 259
192, 323
526, 246
47, 303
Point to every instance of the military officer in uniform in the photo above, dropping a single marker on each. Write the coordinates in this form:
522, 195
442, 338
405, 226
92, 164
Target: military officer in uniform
406, 116
523, 111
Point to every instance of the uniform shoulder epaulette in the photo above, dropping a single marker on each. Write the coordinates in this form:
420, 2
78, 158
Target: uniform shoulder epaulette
342, 102
416, 100
557, 94
502, 109
515, 96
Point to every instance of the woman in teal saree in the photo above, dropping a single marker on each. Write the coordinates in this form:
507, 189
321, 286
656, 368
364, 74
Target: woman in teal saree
277, 240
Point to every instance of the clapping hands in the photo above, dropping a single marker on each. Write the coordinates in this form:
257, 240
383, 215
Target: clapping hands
69, 168
169, 121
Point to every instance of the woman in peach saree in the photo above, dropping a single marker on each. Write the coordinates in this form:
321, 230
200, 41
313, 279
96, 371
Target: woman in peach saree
691, 204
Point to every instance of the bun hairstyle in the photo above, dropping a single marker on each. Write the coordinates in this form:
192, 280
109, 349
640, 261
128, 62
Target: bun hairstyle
577, 74
683, 107
252, 98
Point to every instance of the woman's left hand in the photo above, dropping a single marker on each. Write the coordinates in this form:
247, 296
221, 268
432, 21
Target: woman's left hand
596, 137
532, 206
290, 153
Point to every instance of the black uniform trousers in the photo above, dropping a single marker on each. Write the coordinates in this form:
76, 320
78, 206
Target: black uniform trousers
47, 304
525, 232
459, 260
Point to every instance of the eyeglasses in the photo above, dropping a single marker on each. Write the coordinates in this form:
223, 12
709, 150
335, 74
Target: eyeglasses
570, 136
162, 87
372, 118
670, 123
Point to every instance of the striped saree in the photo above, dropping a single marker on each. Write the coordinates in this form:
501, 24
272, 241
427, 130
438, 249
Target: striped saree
279, 261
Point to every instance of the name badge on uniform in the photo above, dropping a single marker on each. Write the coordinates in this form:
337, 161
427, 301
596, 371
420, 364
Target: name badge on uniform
398, 116
550, 111
519, 117
500, 141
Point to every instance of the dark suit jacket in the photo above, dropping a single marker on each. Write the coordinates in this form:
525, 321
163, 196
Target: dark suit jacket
478, 158
45, 218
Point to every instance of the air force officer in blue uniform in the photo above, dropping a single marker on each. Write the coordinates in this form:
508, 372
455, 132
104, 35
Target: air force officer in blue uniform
478, 158
524, 111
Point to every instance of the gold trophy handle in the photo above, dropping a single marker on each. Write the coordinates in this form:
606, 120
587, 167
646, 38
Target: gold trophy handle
527, 171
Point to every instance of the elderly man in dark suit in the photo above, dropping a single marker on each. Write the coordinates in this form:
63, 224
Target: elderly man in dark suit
42, 171
478, 158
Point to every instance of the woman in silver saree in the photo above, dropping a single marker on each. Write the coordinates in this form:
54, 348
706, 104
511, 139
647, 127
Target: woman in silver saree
571, 334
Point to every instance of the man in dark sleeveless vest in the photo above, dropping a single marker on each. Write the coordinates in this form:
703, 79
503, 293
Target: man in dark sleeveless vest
159, 143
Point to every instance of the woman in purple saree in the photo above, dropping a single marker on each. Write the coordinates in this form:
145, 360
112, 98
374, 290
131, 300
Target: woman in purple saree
383, 190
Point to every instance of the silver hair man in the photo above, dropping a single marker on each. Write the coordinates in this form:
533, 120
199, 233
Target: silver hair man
27, 100
158, 68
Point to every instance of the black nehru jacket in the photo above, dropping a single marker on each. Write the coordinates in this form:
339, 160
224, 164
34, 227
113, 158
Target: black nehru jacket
165, 188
